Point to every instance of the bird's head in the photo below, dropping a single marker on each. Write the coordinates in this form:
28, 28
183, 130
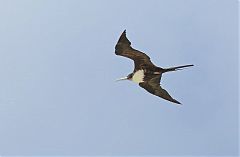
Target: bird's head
129, 77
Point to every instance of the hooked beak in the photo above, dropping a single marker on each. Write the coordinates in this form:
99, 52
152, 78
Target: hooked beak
123, 78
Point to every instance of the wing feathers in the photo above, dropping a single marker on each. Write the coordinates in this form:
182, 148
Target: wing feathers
123, 39
123, 48
153, 87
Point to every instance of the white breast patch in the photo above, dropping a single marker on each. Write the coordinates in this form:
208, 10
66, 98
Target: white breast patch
138, 76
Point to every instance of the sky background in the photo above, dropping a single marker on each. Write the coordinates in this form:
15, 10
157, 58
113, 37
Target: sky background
58, 94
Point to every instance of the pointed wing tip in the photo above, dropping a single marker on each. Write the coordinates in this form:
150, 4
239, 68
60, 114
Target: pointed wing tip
123, 39
177, 102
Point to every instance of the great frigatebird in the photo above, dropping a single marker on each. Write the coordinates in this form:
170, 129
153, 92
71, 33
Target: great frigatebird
145, 73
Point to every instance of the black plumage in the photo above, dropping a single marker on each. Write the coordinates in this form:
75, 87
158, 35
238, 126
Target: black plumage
152, 74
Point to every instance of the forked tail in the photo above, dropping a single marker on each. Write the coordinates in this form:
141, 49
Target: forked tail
177, 68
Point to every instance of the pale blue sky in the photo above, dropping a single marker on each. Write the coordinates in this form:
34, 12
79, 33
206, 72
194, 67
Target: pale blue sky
58, 94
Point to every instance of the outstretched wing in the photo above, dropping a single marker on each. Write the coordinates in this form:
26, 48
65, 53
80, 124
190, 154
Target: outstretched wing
152, 86
123, 48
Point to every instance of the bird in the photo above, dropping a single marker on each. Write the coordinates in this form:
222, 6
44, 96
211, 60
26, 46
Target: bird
145, 73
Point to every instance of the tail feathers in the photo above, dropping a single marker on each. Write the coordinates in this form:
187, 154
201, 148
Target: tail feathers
177, 68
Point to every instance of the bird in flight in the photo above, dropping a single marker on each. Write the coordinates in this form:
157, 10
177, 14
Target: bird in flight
145, 73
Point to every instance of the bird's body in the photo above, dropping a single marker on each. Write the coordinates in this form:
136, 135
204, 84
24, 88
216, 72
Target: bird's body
145, 73
138, 76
